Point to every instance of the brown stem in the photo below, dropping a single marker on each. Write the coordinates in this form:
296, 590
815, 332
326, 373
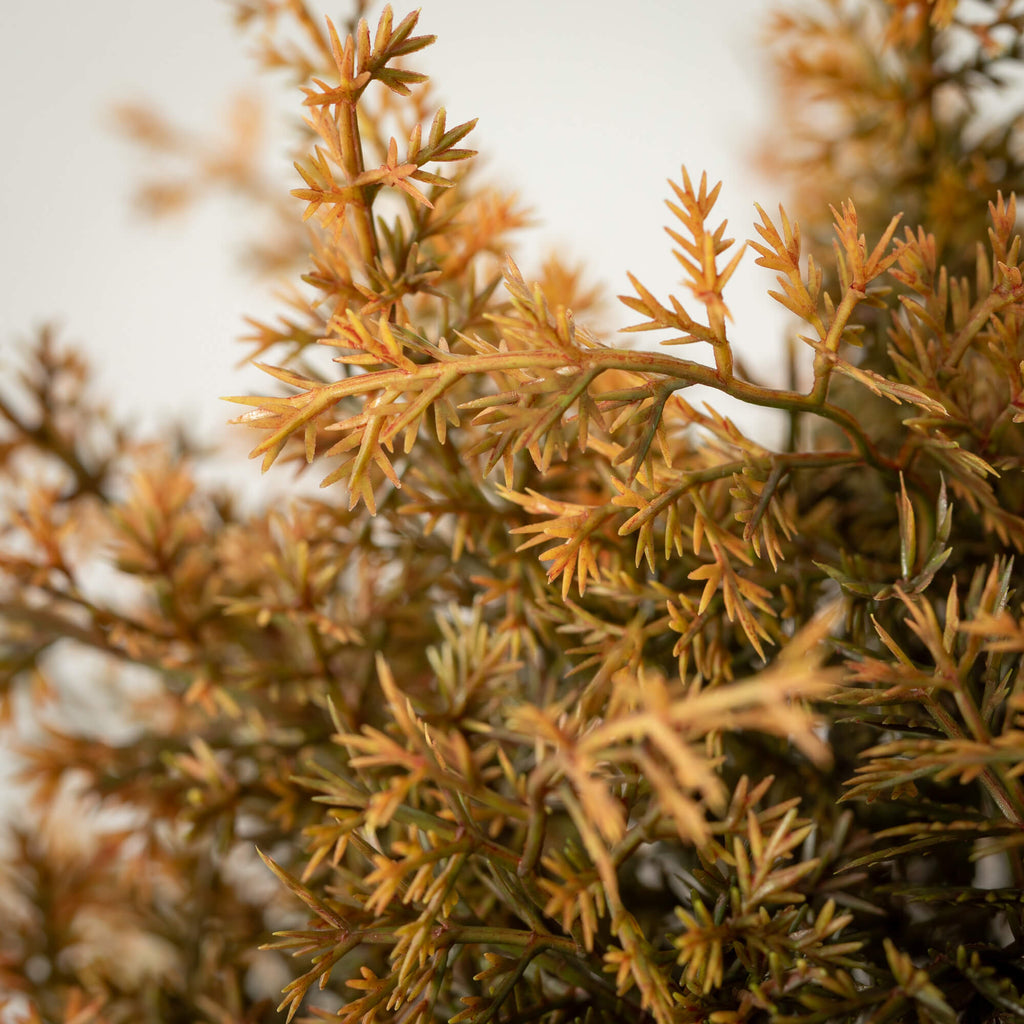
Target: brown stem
352, 157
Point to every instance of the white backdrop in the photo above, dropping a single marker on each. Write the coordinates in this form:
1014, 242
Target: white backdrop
618, 94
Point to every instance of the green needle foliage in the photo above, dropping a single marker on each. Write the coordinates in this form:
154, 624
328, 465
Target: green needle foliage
569, 700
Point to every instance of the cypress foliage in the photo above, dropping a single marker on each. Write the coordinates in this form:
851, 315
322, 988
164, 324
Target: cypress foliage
568, 700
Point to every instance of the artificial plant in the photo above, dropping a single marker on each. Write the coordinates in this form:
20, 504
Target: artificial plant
568, 700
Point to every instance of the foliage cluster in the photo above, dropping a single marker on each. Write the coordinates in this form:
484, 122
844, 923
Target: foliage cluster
569, 701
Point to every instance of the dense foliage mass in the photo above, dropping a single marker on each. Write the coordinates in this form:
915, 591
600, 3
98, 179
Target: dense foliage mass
568, 701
